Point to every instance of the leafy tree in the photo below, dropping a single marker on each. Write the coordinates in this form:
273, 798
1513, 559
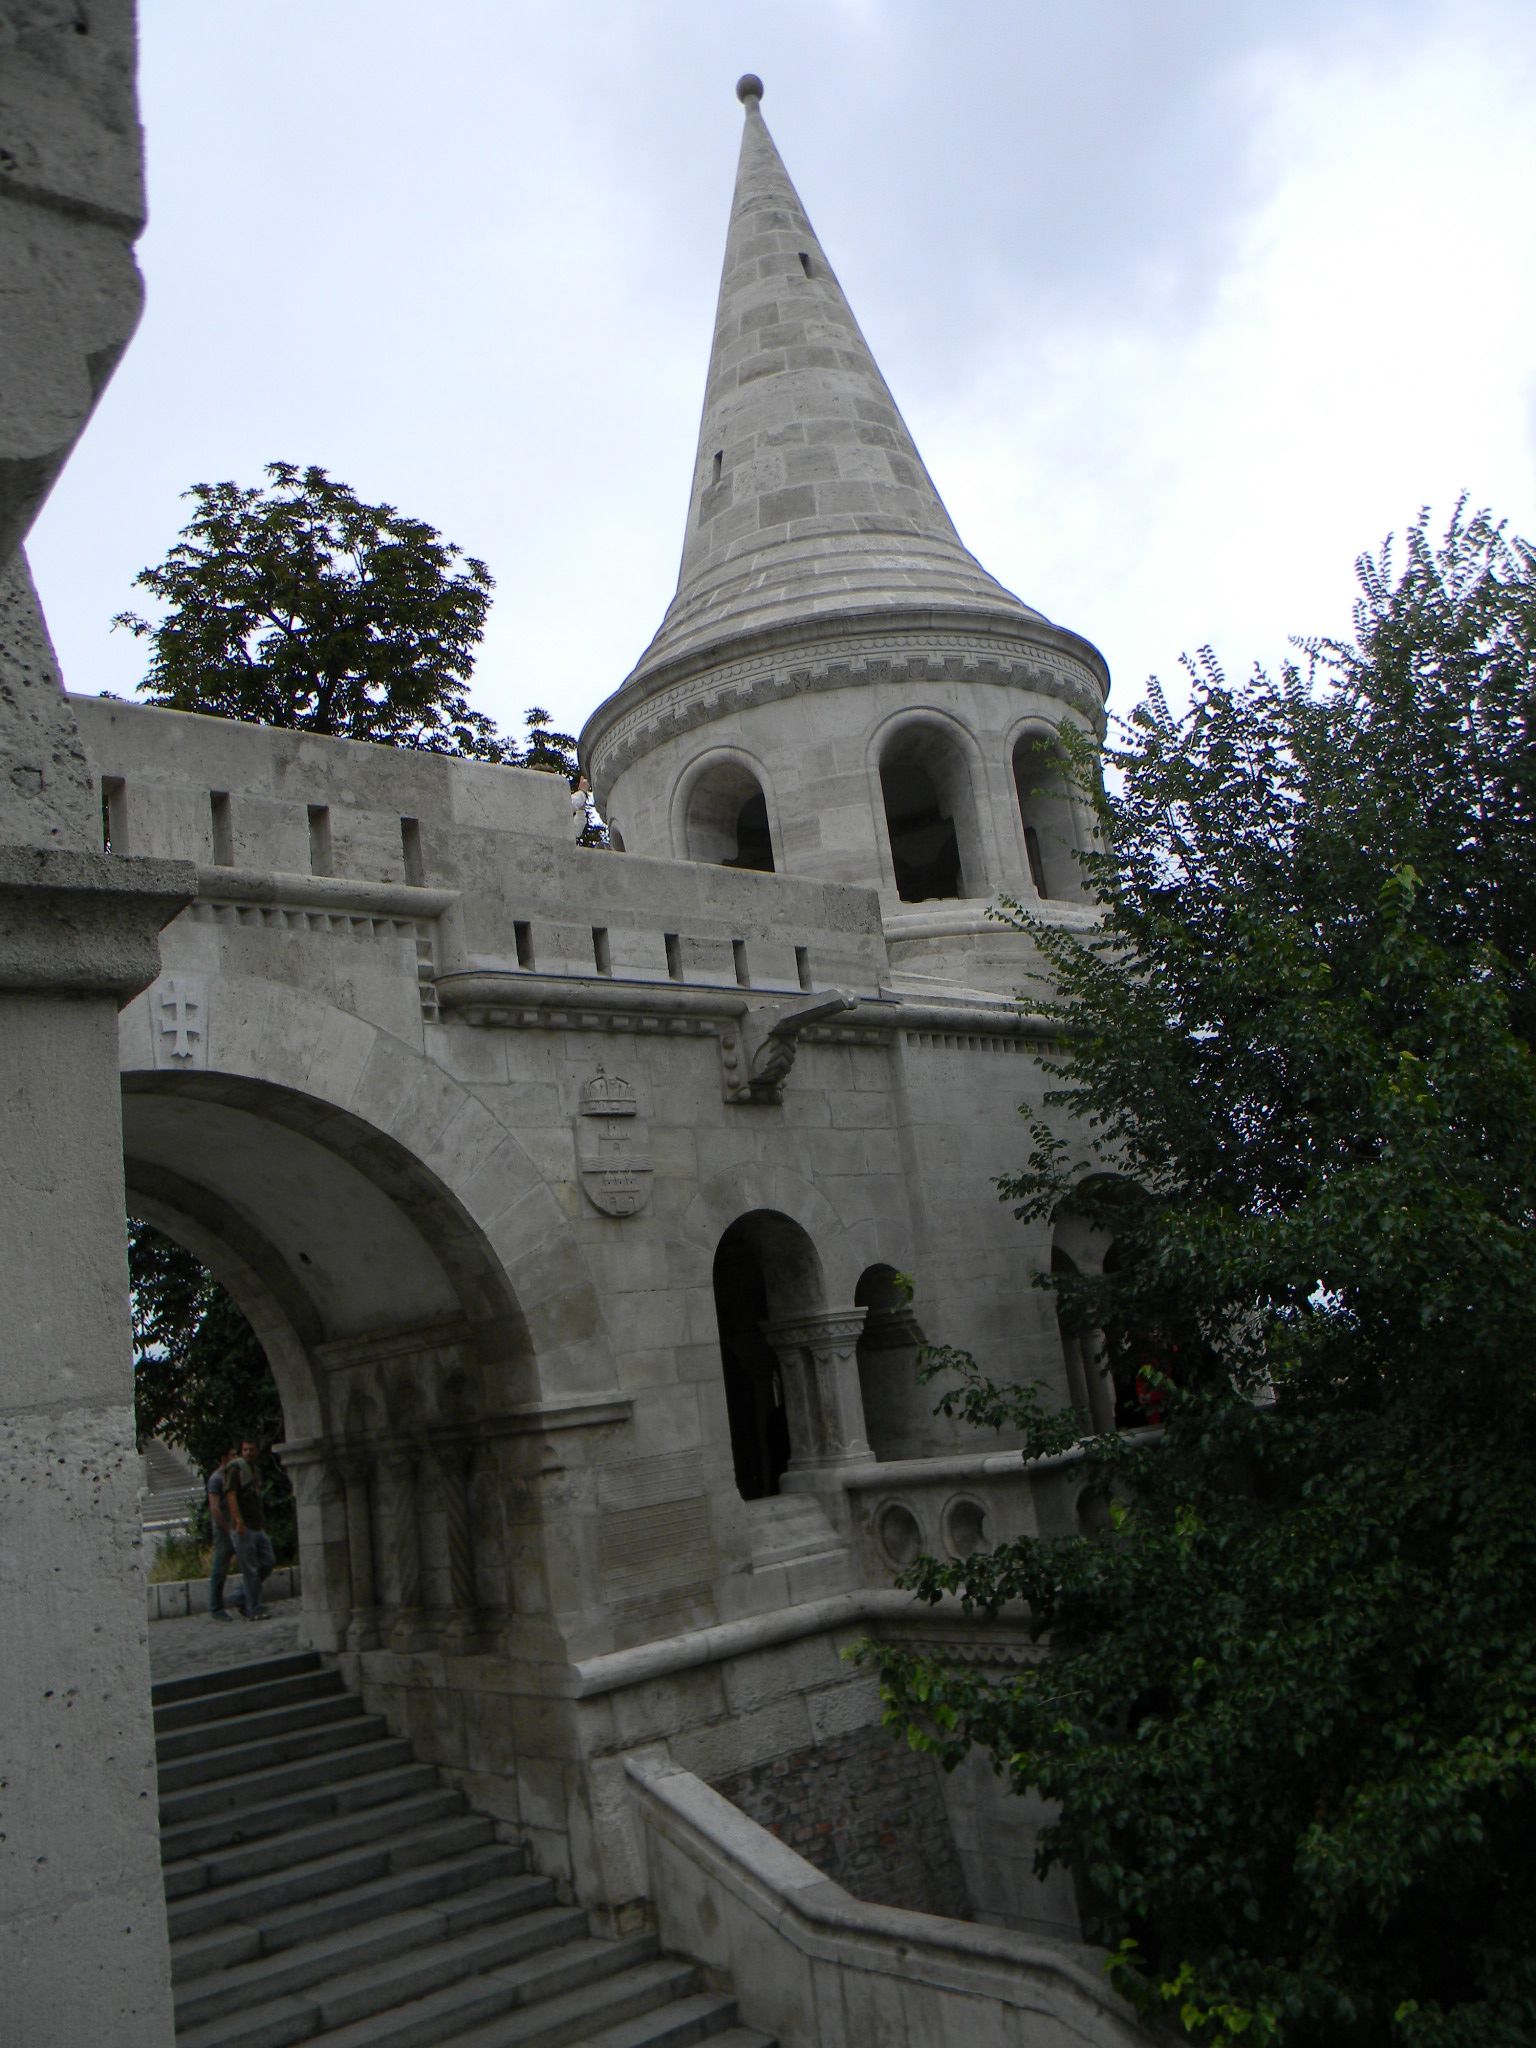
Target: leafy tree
201, 1379
292, 603
1287, 1708
555, 753
552, 751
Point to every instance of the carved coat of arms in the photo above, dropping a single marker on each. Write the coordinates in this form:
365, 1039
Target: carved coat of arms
612, 1154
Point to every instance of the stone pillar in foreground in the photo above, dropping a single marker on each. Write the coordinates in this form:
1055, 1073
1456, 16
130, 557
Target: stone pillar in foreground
83, 1952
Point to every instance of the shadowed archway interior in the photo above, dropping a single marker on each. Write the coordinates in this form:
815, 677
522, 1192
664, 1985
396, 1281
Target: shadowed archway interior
765, 1268
390, 1329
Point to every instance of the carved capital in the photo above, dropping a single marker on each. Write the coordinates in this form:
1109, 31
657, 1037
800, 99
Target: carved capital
86, 923
818, 1355
836, 1329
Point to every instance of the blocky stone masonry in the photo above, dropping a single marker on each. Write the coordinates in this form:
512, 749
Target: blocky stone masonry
866, 1810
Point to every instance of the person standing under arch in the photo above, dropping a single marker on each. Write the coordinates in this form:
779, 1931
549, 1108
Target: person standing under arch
253, 1546
223, 1525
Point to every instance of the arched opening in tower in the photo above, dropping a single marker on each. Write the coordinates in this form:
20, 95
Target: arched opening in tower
1045, 807
896, 1410
766, 1268
727, 819
930, 816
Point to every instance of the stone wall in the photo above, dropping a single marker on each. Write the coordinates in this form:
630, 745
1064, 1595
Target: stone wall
867, 1811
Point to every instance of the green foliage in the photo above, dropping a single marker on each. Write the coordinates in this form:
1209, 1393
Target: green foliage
1288, 1712
200, 1378
179, 1557
294, 604
553, 752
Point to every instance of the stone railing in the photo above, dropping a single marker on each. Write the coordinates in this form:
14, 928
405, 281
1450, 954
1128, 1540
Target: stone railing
950, 1507
812, 1964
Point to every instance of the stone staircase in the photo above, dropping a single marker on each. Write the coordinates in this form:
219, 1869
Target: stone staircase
322, 1885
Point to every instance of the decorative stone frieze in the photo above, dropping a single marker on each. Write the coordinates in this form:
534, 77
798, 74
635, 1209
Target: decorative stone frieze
618, 734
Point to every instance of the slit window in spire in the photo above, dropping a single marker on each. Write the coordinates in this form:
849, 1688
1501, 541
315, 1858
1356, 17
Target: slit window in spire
719, 459
805, 262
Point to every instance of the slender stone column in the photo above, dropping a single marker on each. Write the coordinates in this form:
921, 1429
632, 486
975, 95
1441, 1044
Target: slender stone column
363, 1628
453, 1451
323, 1547
1101, 1388
818, 1356
490, 1540
402, 1536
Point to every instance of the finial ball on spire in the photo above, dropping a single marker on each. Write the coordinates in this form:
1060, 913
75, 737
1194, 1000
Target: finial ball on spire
749, 87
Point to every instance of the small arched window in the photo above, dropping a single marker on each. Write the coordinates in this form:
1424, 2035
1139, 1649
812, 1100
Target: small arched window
727, 819
898, 1412
1077, 1247
765, 1266
1045, 806
930, 816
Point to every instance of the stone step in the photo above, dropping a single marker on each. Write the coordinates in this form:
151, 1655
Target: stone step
232, 1677
549, 2000
576, 2014
304, 1716
240, 1980
224, 1949
323, 1886
250, 1822
247, 1757
303, 1845
706, 2016
252, 2018
419, 1886
229, 1797
738, 2037
327, 1876
234, 1700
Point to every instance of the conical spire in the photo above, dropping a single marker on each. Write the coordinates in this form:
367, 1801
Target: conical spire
809, 498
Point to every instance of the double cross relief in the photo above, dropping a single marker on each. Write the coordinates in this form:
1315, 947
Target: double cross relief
178, 1013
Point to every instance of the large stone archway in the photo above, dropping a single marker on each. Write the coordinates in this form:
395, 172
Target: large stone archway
381, 1225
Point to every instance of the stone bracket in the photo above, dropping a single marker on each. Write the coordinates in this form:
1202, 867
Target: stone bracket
756, 1056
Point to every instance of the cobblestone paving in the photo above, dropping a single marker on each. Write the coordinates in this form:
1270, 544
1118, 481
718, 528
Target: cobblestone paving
197, 1643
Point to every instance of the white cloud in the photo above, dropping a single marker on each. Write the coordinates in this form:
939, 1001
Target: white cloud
1367, 350
1184, 306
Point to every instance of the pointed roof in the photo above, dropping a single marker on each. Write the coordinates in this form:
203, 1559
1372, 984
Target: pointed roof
809, 498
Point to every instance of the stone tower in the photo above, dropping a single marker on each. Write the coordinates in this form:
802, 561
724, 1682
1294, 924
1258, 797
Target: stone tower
839, 690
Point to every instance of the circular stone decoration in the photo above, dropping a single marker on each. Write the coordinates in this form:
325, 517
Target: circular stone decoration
900, 1537
965, 1527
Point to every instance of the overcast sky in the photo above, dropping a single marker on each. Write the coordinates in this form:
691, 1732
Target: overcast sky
1185, 303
